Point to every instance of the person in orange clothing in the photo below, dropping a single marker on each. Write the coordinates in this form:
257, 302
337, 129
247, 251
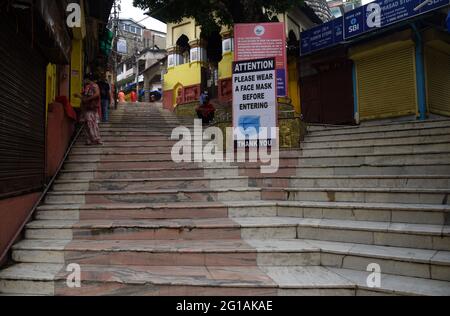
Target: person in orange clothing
133, 96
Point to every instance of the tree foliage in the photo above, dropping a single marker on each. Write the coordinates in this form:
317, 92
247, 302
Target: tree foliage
212, 14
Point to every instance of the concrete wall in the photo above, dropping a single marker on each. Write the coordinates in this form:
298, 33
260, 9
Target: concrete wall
60, 129
13, 213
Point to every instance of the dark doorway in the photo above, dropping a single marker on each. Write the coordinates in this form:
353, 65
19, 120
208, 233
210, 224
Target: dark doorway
214, 56
327, 96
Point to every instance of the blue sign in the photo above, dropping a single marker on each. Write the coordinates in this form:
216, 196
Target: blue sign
375, 15
322, 36
281, 82
381, 13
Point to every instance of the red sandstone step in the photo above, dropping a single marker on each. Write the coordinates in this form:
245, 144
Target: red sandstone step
154, 196
175, 229
185, 210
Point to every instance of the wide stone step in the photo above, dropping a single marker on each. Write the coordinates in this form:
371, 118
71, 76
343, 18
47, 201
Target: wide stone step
374, 169
406, 133
368, 195
377, 212
136, 211
371, 159
427, 264
380, 212
153, 196
370, 181
145, 173
318, 149
403, 141
176, 229
146, 143
50, 279
128, 165
381, 127
150, 184
434, 237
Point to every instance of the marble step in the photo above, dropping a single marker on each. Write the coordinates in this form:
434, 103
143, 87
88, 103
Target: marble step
150, 184
394, 133
174, 229
377, 212
128, 164
134, 154
153, 196
362, 181
147, 142
164, 163
50, 279
373, 159
342, 149
427, 264
136, 211
368, 195
373, 128
375, 169
145, 173
422, 236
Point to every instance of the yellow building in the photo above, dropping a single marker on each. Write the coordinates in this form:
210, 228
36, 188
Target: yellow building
197, 63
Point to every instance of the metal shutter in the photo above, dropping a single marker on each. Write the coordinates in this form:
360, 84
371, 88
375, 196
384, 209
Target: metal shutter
438, 81
22, 114
386, 84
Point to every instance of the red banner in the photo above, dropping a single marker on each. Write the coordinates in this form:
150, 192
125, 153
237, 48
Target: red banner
260, 41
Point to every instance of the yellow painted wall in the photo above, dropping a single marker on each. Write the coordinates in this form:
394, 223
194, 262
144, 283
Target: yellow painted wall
293, 85
185, 75
225, 66
187, 27
76, 71
51, 86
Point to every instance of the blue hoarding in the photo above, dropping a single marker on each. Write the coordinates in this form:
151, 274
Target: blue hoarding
322, 36
381, 13
375, 15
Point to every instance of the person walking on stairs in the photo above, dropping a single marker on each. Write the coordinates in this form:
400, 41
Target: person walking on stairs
90, 105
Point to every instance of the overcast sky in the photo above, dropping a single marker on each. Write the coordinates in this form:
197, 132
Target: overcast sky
128, 11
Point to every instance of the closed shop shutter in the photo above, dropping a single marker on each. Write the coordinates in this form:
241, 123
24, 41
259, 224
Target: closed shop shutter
22, 114
438, 81
386, 84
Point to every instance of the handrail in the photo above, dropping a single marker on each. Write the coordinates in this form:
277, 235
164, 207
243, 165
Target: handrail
42, 196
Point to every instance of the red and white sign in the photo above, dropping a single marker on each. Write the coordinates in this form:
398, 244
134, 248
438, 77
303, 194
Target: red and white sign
260, 41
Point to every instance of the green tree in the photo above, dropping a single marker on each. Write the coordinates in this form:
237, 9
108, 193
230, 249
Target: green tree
212, 14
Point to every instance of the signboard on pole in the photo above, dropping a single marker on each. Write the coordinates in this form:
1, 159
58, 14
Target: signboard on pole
263, 40
255, 102
122, 46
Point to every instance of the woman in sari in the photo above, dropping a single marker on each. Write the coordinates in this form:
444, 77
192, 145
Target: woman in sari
90, 105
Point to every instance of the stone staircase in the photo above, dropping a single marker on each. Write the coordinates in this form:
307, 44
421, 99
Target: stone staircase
139, 224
